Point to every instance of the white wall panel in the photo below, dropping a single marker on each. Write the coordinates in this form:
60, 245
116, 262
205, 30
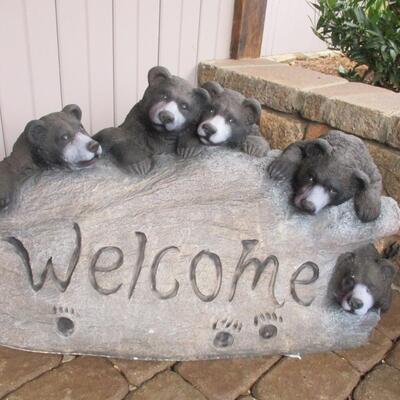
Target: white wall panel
287, 28
74, 55
16, 96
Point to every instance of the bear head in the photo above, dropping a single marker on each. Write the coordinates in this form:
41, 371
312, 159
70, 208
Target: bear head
60, 140
229, 117
362, 280
325, 178
171, 104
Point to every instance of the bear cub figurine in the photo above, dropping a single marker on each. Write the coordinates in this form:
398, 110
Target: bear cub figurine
362, 281
329, 171
232, 120
164, 121
57, 140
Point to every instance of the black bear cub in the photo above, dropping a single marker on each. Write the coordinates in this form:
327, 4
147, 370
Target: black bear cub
57, 140
329, 171
164, 121
232, 120
362, 281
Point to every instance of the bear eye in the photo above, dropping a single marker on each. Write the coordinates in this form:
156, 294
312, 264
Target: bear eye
311, 179
66, 137
231, 120
348, 283
164, 97
332, 190
184, 106
211, 110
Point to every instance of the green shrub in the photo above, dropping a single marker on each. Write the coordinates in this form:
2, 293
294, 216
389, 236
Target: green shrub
366, 31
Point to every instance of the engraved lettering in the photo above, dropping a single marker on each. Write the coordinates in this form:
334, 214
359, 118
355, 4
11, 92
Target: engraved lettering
218, 268
61, 285
153, 276
293, 281
139, 262
114, 266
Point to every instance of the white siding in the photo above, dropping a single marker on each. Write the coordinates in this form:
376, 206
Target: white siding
287, 28
96, 53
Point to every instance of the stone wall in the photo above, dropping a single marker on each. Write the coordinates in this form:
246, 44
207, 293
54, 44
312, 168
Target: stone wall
300, 103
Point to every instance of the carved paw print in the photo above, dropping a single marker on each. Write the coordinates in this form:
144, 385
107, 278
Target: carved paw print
225, 330
65, 324
266, 322
188, 152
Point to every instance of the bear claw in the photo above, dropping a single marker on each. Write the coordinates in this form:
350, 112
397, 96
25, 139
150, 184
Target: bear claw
188, 152
281, 170
141, 168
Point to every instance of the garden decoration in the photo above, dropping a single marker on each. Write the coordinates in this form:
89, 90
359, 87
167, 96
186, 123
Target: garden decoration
201, 258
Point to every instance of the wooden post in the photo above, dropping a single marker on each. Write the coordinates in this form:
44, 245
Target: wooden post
247, 29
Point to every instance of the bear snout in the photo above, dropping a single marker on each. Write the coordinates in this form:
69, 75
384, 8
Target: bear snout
355, 303
93, 146
308, 206
208, 129
166, 117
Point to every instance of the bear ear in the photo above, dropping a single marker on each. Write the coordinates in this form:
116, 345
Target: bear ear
362, 179
214, 88
73, 110
318, 147
202, 95
157, 75
35, 131
252, 109
388, 270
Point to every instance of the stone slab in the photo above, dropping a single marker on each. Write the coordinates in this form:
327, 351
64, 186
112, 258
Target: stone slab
389, 324
393, 358
155, 267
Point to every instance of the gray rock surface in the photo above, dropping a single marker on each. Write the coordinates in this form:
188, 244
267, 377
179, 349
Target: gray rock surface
157, 264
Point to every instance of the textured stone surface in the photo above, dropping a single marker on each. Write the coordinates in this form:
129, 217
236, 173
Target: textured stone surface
166, 386
383, 383
390, 321
18, 367
81, 379
138, 372
315, 377
224, 379
363, 358
281, 129
187, 301
388, 162
315, 130
393, 358
276, 86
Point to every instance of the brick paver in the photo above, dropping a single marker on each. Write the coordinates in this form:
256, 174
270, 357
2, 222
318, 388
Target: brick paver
18, 367
166, 386
225, 379
82, 379
383, 383
390, 321
137, 372
365, 357
319, 376
393, 358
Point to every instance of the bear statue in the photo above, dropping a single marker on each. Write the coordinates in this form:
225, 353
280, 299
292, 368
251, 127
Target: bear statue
232, 120
329, 171
164, 121
57, 140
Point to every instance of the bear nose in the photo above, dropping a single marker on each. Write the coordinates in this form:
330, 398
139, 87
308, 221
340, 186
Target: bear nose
308, 206
166, 117
93, 146
355, 303
209, 129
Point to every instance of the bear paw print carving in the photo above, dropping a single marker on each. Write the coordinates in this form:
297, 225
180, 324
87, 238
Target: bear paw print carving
65, 324
267, 324
226, 329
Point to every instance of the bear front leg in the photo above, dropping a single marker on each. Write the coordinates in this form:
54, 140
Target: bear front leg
285, 166
132, 158
8, 186
188, 146
367, 202
255, 146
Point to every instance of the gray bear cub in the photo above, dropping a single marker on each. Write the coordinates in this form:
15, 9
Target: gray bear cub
164, 121
232, 120
57, 140
362, 281
329, 171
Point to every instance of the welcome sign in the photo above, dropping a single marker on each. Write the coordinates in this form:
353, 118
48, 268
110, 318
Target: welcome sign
200, 259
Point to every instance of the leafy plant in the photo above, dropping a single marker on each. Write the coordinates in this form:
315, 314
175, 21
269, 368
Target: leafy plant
366, 31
